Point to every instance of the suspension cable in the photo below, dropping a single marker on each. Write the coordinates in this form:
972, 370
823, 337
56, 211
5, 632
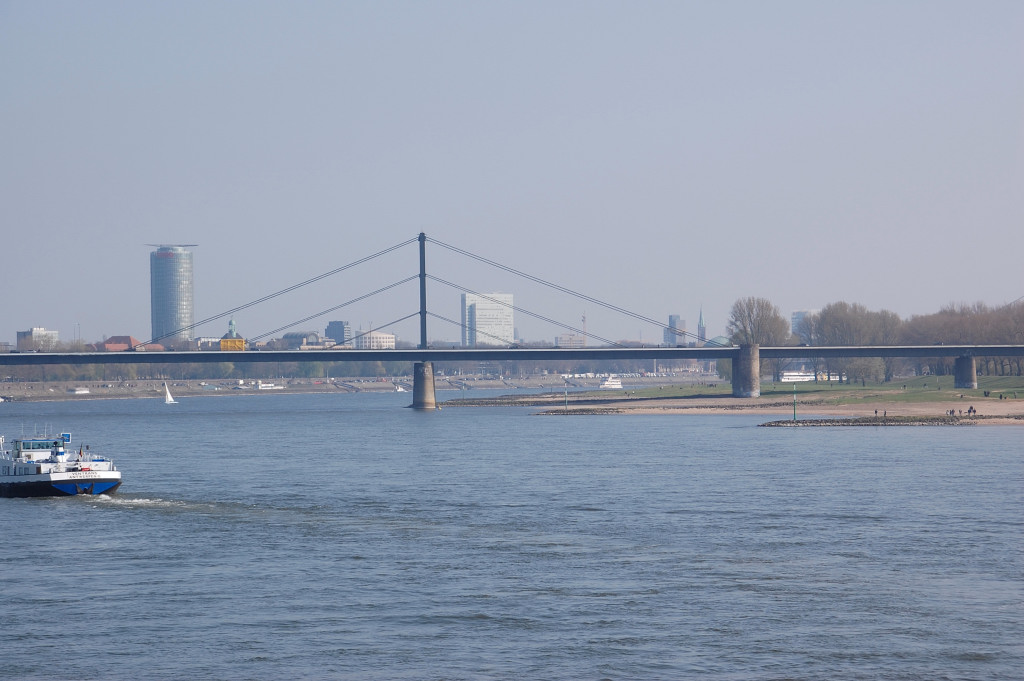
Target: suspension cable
563, 289
384, 326
464, 326
524, 311
337, 307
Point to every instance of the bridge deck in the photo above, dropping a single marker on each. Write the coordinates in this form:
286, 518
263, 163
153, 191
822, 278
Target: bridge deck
503, 354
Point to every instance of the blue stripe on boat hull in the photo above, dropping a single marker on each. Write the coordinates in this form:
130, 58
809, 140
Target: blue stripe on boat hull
59, 489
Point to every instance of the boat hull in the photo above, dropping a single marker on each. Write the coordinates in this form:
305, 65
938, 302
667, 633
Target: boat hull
60, 488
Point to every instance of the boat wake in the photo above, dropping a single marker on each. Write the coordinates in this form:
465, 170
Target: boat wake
141, 502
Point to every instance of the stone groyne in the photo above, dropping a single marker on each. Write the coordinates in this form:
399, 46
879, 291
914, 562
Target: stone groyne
877, 421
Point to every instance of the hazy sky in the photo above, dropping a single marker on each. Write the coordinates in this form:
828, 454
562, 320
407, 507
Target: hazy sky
661, 156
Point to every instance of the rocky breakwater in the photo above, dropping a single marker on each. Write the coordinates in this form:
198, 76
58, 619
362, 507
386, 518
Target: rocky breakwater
877, 421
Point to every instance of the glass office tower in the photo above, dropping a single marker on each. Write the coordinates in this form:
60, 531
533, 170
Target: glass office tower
171, 294
487, 319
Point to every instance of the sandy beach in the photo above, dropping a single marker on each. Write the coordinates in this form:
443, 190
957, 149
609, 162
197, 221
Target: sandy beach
948, 405
989, 411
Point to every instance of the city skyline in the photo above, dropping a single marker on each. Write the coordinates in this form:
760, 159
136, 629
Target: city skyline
660, 157
489, 316
486, 319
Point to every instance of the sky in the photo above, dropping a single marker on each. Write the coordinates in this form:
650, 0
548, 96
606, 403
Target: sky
660, 157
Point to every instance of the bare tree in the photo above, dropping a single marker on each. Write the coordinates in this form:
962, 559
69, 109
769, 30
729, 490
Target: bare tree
843, 323
887, 332
969, 324
757, 321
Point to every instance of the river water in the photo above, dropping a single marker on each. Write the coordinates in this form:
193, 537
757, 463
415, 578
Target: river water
345, 537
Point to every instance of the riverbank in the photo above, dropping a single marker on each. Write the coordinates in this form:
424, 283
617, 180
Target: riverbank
918, 402
877, 421
845, 415
48, 391
826, 405
151, 389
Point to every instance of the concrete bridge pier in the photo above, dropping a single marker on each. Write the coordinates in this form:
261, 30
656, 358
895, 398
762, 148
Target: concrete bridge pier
965, 373
746, 372
423, 386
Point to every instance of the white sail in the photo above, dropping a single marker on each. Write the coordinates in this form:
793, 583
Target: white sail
168, 399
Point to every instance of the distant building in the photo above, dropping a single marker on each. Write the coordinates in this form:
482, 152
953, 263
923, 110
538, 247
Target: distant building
374, 340
232, 330
37, 338
341, 332
123, 343
171, 293
232, 340
702, 329
570, 340
487, 319
304, 340
797, 317
207, 342
675, 334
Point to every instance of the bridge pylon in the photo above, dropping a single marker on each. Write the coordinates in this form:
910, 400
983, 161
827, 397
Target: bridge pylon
746, 372
965, 373
423, 372
423, 386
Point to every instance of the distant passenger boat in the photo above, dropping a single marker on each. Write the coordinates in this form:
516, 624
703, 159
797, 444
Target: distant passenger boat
260, 385
611, 383
167, 395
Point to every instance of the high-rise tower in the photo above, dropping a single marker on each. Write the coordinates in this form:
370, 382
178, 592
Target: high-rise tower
171, 294
674, 335
487, 319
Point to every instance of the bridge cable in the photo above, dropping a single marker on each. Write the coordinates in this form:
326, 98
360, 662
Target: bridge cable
519, 309
465, 326
289, 289
391, 323
563, 289
524, 311
338, 307
377, 328
503, 341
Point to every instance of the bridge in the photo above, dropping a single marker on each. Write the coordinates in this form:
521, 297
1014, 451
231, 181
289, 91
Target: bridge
746, 358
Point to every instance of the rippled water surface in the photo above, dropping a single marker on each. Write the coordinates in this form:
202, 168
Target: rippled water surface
343, 536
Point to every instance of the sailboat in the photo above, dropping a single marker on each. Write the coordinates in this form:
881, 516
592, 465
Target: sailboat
167, 395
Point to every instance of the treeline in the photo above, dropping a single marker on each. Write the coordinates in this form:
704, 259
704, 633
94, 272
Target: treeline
103, 373
111, 373
756, 320
752, 320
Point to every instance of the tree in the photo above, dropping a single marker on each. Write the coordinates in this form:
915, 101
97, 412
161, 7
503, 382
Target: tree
965, 324
888, 327
843, 323
757, 321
